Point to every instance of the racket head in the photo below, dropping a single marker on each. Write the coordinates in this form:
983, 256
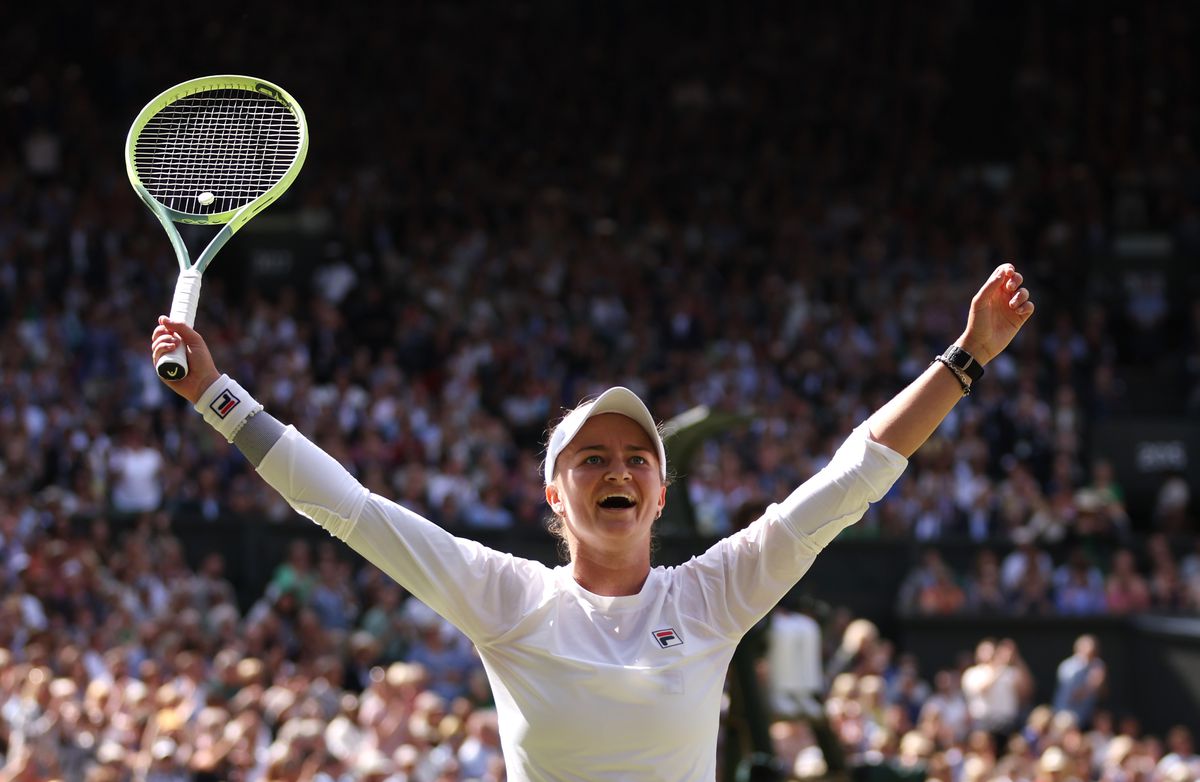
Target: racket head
241, 139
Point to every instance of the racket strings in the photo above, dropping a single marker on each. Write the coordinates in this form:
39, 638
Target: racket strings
233, 143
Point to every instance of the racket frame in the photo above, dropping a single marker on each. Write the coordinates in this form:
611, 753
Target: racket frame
173, 366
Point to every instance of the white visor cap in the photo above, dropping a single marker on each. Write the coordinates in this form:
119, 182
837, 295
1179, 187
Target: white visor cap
617, 399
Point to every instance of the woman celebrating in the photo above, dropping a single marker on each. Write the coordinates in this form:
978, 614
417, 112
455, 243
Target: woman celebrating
607, 667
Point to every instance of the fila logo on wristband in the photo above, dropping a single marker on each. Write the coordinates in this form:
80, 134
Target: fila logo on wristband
224, 404
667, 637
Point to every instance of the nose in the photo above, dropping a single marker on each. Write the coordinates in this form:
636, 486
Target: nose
618, 473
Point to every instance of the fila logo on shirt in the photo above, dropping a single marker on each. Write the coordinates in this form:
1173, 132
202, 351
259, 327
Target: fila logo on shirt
667, 637
224, 403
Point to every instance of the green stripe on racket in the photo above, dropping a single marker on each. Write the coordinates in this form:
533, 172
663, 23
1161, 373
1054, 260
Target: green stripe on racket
212, 151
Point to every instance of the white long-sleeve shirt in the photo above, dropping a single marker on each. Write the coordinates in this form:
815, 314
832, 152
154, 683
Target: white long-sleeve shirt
590, 687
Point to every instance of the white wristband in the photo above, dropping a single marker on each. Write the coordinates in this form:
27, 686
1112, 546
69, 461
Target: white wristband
226, 406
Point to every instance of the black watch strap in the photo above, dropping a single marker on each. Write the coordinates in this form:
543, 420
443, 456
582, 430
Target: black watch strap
964, 362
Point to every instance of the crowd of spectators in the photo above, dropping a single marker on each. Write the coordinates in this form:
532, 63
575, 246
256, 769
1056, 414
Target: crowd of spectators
722, 230
504, 209
979, 720
1028, 581
138, 667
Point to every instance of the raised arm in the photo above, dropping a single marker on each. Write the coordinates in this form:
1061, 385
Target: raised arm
481, 591
254, 436
998, 311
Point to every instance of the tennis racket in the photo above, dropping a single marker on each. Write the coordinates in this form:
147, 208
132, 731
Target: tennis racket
212, 151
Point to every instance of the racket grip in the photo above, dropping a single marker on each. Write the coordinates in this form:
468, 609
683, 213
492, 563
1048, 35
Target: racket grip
173, 366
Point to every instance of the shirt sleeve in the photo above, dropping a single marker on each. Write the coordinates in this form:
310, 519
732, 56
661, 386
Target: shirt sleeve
741, 577
481, 591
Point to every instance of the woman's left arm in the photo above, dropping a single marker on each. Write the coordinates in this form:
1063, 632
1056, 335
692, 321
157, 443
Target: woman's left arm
998, 311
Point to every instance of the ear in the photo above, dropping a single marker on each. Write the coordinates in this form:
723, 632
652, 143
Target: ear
553, 498
662, 500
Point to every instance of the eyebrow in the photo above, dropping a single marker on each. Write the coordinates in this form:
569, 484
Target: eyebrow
639, 448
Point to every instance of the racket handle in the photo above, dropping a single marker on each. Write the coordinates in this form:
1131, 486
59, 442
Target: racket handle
173, 366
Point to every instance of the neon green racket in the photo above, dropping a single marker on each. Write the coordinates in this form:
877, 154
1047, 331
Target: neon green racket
212, 151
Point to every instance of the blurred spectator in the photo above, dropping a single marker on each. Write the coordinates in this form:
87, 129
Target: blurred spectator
1109, 495
906, 689
945, 711
332, 598
795, 680
943, 595
1180, 761
859, 644
931, 588
920, 579
1027, 574
1078, 586
480, 750
1081, 681
386, 621
135, 467
488, 512
1025, 561
1168, 591
1126, 591
996, 687
443, 652
1147, 309
295, 574
1172, 508
363, 655
984, 591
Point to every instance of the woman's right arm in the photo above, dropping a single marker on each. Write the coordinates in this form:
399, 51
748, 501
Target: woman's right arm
481, 591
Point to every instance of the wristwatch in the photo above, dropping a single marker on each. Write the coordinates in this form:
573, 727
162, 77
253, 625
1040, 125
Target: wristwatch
962, 361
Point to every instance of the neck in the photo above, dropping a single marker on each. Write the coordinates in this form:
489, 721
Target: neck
610, 577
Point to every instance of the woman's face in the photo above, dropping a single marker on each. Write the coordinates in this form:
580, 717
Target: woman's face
609, 487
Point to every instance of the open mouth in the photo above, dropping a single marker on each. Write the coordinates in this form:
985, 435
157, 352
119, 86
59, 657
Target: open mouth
617, 502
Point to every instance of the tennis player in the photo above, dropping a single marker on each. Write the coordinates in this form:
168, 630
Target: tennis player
607, 668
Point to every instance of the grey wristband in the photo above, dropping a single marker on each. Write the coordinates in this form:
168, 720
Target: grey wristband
257, 436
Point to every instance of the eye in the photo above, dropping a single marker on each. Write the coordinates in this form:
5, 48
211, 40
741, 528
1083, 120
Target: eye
593, 459
638, 460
